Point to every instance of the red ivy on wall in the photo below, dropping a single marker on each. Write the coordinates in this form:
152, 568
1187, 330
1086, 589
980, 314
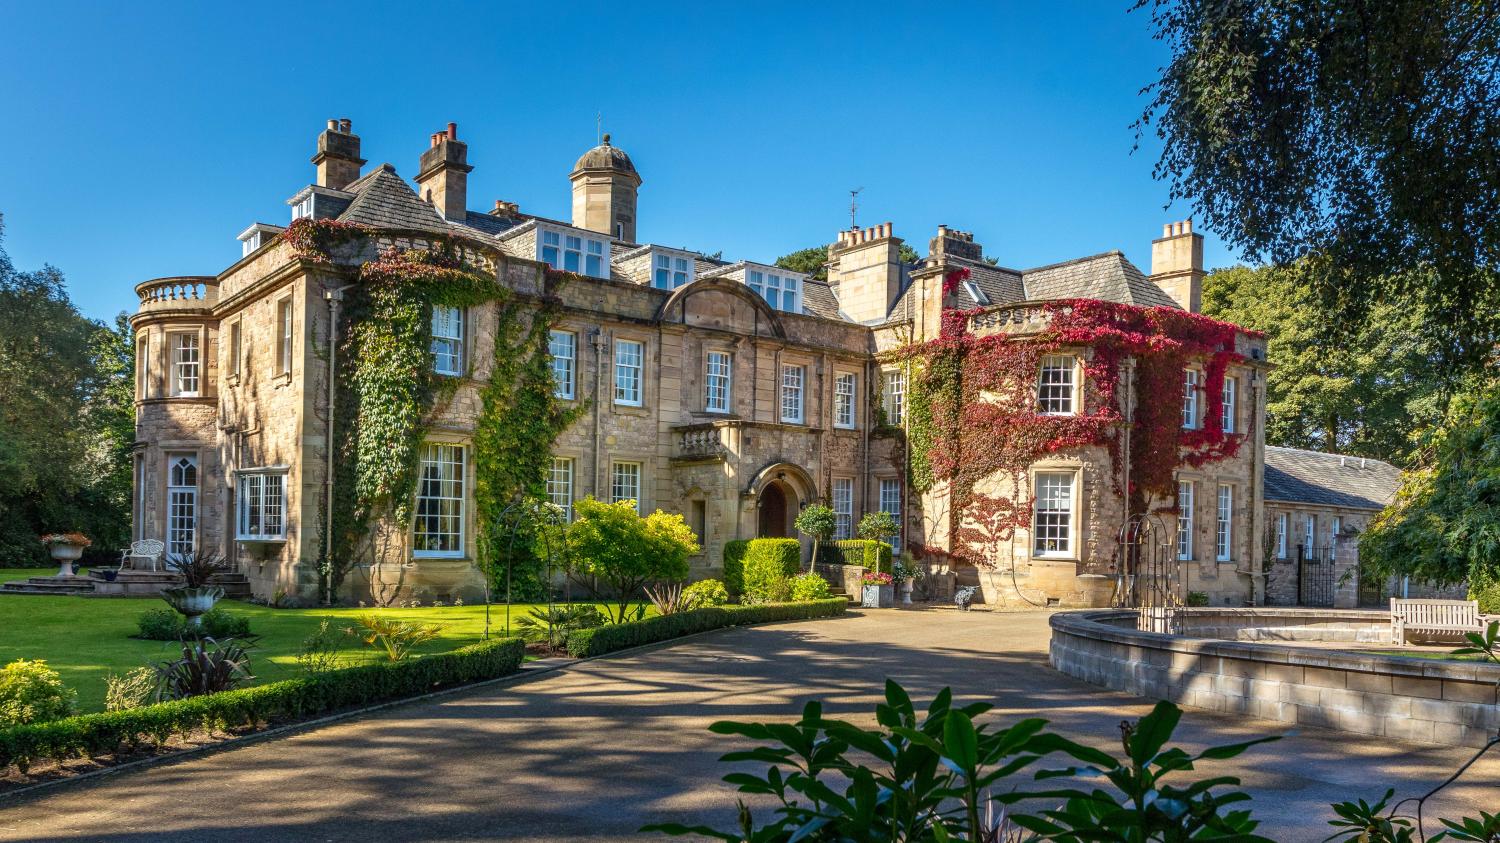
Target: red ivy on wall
976, 397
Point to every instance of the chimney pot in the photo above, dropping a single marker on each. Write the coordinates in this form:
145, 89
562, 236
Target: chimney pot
337, 158
452, 131
333, 125
346, 125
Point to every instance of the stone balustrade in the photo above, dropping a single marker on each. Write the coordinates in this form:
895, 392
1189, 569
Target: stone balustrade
194, 292
1399, 697
700, 442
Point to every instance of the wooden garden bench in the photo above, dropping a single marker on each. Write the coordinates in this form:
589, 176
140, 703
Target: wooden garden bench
1426, 615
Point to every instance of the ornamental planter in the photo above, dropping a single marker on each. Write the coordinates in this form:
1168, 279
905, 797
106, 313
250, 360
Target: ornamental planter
906, 589
878, 597
193, 602
66, 555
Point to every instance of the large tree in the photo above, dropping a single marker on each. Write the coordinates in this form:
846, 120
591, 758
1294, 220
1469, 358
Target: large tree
66, 418
1362, 392
1363, 132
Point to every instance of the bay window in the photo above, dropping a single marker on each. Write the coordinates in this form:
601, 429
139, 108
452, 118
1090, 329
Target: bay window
260, 501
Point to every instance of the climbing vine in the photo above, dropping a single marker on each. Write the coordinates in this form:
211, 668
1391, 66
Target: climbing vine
386, 392
973, 415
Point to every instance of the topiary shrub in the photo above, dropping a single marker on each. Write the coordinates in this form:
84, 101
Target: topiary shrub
769, 566
734, 565
705, 594
607, 639
810, 587
32, 692
168, 625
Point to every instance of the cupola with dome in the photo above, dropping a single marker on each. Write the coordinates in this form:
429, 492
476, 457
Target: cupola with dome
604, 191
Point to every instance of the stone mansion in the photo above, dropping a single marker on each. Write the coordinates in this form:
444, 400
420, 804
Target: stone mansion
732, 391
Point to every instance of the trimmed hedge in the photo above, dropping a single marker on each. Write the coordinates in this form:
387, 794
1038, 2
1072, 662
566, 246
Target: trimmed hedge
291, 699
734, 565
769, 563
873, 555
607, 639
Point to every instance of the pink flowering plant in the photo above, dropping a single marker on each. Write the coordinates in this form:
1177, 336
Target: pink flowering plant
74, 538
877, 578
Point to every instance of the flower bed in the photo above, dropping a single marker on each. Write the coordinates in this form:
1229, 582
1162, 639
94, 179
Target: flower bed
91, 735
607, 639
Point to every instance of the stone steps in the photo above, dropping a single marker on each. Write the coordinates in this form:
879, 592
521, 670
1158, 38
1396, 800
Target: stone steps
125, 584
49, 585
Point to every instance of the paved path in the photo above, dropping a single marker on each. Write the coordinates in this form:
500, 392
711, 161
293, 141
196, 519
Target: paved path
598, 749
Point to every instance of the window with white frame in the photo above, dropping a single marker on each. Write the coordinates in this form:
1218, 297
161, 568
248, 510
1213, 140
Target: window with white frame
1190, 398
303, 208
1335, 526
890, 501
1052, 514
447, 340
1224, 533
629, 358
438, 528
716, 382
574, 252
1055, 385
284, 335
182, 504
560, 485
186, 364
843, 508
843, 400
1227, 415
1281, 534
563, 345
894, 397
1184, 519
260, 501
670, 271
791, 393
625, 483
1309, 534
780, 291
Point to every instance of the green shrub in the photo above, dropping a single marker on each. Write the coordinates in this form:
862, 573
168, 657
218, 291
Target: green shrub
871, 555
168, 624
607, 639
734, 565
395, 637
1197, 598
1488, 595
769, 564
705, 594
292, 699
810, 587
32, 692
132, 690
614, 545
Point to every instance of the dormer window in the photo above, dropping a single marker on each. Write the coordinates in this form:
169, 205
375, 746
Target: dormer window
574, 252
782, 292
670, 271
975, 293
303, 207
257, 235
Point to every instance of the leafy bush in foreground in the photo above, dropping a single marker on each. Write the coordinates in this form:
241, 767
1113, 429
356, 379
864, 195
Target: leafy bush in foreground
704, 594
169, 625
810, 587
32, 692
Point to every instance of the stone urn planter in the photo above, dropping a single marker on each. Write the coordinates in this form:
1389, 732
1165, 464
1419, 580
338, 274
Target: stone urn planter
193, 602
878, 591
65, 549
905, 590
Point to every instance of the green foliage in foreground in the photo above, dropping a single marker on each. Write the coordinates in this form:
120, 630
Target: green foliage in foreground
614, 544
1445, 523
30, 691
169, 624
100, 734
734, 565
607, 639
769, 565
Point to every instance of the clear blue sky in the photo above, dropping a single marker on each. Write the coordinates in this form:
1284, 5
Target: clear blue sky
139, 139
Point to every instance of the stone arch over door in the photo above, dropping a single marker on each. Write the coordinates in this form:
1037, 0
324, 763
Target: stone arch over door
777, 494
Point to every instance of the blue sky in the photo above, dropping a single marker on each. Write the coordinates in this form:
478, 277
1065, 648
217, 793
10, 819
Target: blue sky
141, 138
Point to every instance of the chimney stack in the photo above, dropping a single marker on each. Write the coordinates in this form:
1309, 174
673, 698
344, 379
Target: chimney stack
1177, 264
864, 270
443, 174
338, 160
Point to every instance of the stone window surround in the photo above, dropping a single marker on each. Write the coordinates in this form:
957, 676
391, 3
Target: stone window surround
1233, 536
649, 349
165, 353
284, 472
464, 333
811, 411
717, 346
878, 479
575, 476
1076, 521
579, 332
854, 408
886, 394
441, 437
1075, 401
646, 504
283, 377
143, 368
1191, 517
233, 348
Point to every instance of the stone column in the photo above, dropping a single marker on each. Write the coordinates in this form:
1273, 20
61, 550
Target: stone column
1345, 571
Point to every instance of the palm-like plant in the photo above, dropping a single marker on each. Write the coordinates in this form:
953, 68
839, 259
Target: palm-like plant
396, 637
206, 667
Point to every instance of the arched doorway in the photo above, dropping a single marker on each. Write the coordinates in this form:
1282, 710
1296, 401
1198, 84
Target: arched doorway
775, 507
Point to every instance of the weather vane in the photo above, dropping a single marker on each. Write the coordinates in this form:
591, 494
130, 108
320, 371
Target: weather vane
853, 206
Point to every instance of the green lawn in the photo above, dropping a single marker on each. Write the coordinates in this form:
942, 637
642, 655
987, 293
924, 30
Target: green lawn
87, 638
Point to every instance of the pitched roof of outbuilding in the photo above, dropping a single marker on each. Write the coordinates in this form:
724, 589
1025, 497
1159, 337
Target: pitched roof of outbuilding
384, 199
1311, 477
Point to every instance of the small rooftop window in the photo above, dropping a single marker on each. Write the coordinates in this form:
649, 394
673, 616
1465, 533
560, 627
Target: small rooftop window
781, 291
975, 293
670, 271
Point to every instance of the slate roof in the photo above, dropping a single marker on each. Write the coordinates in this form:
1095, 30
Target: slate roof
1108, 276
1311, 477
384, 199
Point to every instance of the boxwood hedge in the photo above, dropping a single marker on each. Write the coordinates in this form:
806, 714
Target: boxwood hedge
292, 699
607, 639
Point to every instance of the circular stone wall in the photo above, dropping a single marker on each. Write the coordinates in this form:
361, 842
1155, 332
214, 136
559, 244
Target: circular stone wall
1438, 701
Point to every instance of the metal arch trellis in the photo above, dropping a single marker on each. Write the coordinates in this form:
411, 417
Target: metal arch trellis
1148, 575
528, 520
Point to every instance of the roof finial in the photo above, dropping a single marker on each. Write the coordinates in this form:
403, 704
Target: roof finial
606, 138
